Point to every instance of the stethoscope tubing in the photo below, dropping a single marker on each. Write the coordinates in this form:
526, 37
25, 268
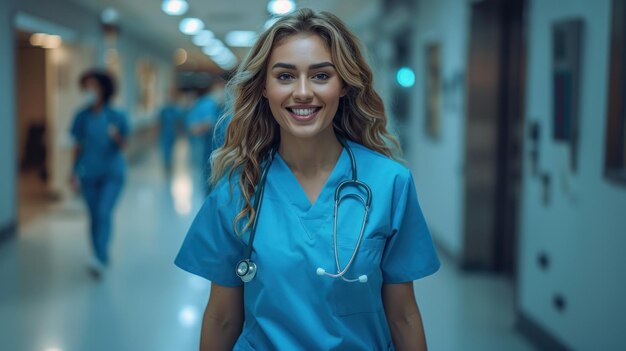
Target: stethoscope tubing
342, 272
250, 270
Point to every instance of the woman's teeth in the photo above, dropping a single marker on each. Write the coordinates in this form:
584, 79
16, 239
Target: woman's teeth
303, 111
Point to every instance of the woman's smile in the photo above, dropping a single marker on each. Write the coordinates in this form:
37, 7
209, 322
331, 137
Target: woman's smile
303, 113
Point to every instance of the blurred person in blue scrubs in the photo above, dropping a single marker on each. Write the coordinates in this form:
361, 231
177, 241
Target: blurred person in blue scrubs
99, 132
169, 117
200, 121
305, 122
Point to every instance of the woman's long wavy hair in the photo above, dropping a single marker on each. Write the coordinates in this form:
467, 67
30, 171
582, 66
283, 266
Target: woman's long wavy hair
252, 131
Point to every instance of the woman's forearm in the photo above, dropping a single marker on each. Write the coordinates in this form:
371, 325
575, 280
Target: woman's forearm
408, 333
219, 333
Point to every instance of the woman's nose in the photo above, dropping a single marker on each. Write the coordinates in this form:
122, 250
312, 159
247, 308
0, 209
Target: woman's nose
303, 91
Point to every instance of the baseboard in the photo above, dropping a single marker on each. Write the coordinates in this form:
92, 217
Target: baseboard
8, 231
537, 335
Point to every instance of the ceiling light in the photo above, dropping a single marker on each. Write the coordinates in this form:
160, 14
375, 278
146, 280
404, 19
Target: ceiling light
174, 7
52, 41
225, 59
241, 38
229, 65
281, 7
203, 38
109, 16
214, 50
221, 55
38, 39
191, 26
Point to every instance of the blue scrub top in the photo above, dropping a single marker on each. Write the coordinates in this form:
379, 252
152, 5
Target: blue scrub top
204, 110
287, 305
100, 156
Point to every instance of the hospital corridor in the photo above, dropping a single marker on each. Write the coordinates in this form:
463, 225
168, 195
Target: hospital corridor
503, 207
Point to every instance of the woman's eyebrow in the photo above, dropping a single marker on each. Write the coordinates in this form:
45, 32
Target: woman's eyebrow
321, 65
313, 66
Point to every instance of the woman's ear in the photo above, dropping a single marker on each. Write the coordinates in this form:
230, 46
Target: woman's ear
344, 91
264, 93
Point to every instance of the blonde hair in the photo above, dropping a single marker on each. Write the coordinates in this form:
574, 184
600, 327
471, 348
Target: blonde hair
252, 132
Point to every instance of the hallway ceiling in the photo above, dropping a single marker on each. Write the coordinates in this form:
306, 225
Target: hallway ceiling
146, 21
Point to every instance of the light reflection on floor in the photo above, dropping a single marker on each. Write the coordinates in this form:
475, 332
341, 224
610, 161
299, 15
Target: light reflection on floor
182, 182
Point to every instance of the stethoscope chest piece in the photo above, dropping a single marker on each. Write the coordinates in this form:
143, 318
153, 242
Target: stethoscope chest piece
246, 270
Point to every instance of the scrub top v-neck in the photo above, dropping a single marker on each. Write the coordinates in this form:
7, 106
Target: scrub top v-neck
287, 305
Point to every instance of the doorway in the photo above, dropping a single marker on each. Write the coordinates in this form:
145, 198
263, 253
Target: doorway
32, 127
494, 134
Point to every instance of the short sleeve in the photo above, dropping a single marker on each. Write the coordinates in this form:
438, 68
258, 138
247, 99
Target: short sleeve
211, 248
409, 252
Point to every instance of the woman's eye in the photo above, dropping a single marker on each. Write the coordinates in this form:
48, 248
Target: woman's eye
284, 76
321, 76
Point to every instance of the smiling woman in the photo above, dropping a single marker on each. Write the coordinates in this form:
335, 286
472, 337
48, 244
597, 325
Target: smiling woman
308, 147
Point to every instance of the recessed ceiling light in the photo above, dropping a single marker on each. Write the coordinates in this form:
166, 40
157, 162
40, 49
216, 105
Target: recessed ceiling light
203, 38
191, 25
241, 38
214, 50
174, 7
281, 7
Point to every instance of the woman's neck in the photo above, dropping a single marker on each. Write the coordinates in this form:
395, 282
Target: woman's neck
308, 157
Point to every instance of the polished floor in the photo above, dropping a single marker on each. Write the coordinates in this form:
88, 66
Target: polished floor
48, 302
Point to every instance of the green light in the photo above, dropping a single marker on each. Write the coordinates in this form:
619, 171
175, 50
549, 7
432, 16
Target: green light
405, 77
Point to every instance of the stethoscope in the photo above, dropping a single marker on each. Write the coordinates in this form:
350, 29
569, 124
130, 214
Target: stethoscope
246, 268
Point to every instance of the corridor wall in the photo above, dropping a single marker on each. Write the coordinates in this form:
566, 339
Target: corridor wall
437, 161
571, 235
577, 235
8, 163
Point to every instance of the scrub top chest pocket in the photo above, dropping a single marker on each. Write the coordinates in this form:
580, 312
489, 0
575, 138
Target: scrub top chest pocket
352, 298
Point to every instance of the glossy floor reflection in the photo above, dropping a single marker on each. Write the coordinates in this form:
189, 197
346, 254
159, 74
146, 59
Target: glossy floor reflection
49, 302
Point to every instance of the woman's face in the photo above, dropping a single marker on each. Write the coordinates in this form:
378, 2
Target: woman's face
302, 87
91, 91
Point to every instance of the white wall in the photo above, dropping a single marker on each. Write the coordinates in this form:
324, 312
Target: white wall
132, 52
438, 164
8, 151
583, 228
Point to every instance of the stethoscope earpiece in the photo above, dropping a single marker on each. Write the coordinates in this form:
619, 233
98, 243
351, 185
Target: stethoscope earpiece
361, 279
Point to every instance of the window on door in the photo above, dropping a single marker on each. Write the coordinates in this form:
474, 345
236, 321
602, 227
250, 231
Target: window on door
615, 153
